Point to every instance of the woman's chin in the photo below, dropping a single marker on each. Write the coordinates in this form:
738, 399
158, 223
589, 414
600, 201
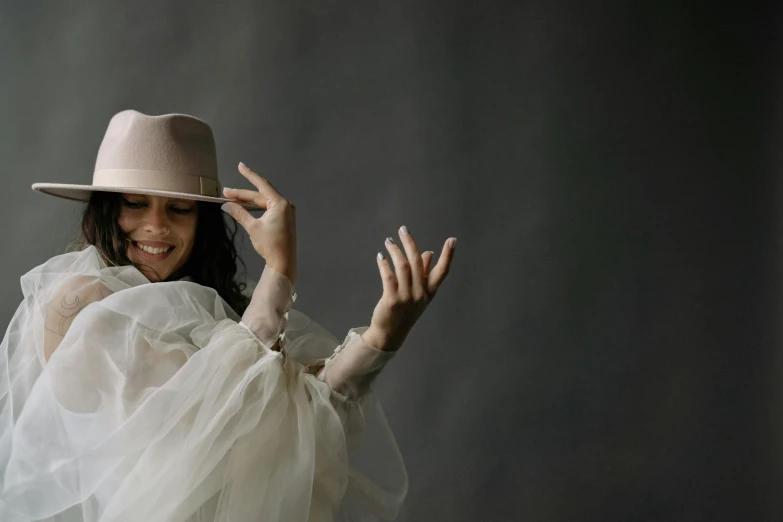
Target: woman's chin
156, 276
153, 278
165, 269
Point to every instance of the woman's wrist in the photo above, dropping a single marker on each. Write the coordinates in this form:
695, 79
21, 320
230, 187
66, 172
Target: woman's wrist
288, 269
378, 339
354, 365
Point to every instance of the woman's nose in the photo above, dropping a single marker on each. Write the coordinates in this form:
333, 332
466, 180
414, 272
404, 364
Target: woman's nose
156, 221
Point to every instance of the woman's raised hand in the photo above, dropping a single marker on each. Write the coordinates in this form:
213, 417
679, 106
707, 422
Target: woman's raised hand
407, 290
274, 233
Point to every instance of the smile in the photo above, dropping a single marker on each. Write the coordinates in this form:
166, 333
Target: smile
152, 254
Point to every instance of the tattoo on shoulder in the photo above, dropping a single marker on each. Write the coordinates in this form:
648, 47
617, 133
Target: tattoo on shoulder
62, 312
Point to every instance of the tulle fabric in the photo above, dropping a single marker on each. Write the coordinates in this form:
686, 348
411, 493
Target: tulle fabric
158, 405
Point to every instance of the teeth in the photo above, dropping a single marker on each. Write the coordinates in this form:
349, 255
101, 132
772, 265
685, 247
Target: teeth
151, 250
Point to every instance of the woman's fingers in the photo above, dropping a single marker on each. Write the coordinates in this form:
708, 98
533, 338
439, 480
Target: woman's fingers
401, 268
426, 261
387, 275
265, 197
441, 270
246, 195
414, 261
239, 213
264, 187
414, 275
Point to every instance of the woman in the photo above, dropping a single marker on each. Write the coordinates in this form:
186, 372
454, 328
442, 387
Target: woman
122, 400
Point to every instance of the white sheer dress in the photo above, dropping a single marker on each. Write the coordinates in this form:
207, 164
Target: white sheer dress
125, 400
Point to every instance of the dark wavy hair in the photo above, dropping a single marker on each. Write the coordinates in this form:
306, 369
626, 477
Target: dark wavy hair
212, 262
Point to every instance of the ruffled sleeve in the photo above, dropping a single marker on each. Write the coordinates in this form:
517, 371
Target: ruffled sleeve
349, 370
378, 481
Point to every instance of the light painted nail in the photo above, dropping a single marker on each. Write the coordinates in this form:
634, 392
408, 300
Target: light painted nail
225, 208
404, 230
242, 164
452, 242
381, 256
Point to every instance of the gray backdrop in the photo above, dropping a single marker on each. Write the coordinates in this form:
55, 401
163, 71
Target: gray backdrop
606, 346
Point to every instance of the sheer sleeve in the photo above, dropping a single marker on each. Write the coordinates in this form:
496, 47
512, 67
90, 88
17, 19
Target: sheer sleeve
378, 479
159, 405
267, 315
354, 365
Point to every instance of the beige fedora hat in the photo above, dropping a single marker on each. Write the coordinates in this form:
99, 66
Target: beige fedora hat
171, 155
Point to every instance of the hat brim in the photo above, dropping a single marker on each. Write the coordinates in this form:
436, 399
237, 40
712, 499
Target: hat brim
83, 193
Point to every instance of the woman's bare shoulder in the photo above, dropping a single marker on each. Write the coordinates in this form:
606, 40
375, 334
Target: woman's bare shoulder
71, 298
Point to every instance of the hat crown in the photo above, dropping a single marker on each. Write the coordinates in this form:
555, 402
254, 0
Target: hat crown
173, 143
171, 155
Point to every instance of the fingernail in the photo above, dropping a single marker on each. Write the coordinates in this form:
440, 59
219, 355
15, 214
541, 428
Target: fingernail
242, 164
390, 240
225, 208
404, 230
452, 242
381, 256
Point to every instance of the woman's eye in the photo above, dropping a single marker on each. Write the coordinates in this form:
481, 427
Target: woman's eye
134, 205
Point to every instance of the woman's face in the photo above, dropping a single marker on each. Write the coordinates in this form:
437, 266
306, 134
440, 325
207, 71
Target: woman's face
159, 222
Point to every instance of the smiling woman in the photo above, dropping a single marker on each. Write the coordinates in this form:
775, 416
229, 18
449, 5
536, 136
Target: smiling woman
122, 227
161, 231
137, 382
